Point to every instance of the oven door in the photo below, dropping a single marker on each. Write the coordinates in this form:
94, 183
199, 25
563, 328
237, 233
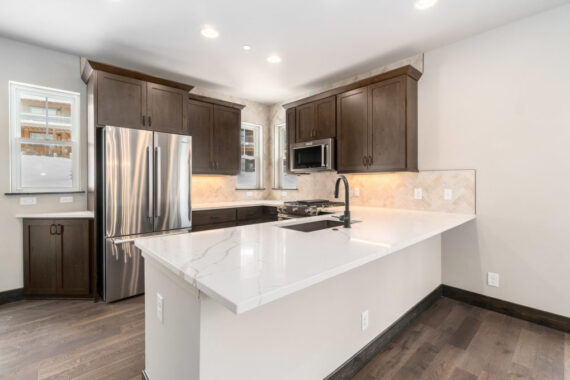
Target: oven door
312, 156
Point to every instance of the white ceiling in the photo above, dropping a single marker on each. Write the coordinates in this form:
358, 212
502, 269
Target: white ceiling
319, 40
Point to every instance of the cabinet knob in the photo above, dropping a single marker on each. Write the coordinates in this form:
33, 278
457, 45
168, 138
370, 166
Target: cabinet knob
52, 229
143, 121
370, 160
149, 122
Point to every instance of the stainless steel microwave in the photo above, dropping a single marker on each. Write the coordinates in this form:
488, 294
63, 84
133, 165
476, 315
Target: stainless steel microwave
312, 156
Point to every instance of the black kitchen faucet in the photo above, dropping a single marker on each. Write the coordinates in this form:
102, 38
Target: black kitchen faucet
346, 217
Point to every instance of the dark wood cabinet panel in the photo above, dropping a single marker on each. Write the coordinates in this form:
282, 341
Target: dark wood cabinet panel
290, 128
166, 109
121, 101
305, 122
325, 118
74, 249
203, 220
226, 142
352, 130
58, 257
40, 257
387, 125
204, 217
248, 213
201, 128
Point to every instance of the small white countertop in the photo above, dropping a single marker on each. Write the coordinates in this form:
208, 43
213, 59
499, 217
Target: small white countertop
59, 215
218, 205
247, 266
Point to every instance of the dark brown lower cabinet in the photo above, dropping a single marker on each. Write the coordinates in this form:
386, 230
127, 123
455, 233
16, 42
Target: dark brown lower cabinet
58, 257
203, 220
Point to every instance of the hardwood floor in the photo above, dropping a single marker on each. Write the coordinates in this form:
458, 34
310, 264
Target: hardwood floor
453, 340
60, 339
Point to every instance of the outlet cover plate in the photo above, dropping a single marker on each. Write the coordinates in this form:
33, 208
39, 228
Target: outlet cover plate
493, 279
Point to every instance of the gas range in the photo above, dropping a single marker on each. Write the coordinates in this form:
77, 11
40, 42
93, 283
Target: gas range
305, 208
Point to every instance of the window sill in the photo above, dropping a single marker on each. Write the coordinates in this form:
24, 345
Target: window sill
45, 193
283, 189
252, 189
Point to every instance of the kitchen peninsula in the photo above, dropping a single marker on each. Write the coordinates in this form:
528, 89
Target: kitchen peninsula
263, 301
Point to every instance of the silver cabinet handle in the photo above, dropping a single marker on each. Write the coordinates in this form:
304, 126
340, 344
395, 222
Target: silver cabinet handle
158, 180
149, 181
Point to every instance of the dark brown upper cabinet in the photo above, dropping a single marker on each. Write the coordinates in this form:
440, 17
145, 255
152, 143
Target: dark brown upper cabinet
130, 99
315, 120
121, 101
201, 128
166, 109
376, 121
215, 128
58, 259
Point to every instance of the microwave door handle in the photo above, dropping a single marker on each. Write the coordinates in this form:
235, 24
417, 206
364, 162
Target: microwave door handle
323, 147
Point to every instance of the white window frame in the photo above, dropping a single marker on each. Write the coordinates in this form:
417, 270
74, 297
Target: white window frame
278, 172
258, 157
16, 140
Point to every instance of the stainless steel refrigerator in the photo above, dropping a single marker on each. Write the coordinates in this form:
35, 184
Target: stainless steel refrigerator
146, 190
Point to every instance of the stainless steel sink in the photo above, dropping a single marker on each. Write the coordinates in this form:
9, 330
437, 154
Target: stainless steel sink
314, 226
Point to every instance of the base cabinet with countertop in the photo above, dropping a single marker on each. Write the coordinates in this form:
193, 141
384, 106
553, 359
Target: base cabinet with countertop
58, 258
203, 220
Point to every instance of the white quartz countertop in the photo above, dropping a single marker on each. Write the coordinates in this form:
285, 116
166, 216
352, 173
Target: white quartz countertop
59, 215
218, 205
247, 266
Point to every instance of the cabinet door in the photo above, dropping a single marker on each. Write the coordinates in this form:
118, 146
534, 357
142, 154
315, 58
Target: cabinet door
305, 122
121, 101
352, 131
40, 257
166, 109
227, 145
325, 118
201, 128
387, 125
290, 128
74, 243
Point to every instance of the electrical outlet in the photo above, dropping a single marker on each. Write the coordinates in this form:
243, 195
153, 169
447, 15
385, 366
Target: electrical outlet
447, 194
357, 192
28, 201
65, 199
283, 193
493, 279
159, 307
364, 320
418, 194
249, 193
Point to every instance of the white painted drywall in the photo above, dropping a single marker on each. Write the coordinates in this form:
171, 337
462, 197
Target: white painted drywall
303, 336
34, 65
500, 103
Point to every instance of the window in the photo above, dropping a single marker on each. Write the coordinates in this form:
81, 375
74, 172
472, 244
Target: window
251, 176
44, 139
283, 180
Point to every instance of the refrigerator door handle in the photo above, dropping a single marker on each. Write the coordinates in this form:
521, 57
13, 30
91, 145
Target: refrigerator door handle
149, 182
158, 180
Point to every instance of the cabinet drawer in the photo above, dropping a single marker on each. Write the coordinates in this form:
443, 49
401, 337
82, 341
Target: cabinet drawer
204, 217
206, 227
247, 213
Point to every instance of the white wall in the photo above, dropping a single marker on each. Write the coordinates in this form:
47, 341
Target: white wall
500, 103
30, 64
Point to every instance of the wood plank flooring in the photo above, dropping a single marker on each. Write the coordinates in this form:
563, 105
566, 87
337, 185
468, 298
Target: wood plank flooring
453, 340
72, 339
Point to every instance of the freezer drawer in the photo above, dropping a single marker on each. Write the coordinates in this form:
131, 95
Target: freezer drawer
124, 270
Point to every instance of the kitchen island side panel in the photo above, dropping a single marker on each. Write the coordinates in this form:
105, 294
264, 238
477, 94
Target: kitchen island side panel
308, 334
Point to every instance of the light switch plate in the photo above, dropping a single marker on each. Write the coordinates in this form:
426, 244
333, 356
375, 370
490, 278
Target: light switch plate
493, 279
283, 193
418, 194
357, 192
28, 201
65, 199
447, 194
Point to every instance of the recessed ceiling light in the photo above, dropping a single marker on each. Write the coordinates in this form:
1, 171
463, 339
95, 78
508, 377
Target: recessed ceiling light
246, 47
209, 31
424, 4
274, 59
